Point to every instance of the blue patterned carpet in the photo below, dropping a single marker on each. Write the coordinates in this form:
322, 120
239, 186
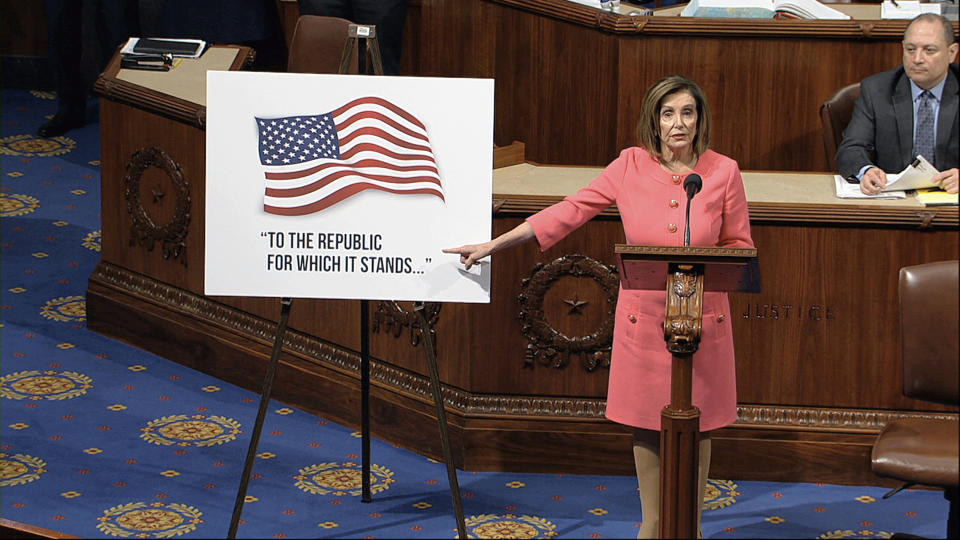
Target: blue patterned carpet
101, 440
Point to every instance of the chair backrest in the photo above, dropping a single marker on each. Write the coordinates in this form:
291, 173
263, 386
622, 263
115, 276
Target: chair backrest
929, 329
835, 114
317, 45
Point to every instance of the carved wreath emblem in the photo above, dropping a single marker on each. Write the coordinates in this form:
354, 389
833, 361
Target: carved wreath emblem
550, 346
392, 317
144, 229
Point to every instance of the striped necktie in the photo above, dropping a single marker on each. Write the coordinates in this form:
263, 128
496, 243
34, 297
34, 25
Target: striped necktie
925, 142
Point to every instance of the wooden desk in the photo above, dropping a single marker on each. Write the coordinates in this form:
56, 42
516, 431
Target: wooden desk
570, 78
819, 371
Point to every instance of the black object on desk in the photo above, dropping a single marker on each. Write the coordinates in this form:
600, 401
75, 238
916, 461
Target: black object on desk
166, 46
156, 62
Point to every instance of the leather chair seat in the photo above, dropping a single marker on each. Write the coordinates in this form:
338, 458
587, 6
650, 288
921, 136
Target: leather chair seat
317, 45
920, 451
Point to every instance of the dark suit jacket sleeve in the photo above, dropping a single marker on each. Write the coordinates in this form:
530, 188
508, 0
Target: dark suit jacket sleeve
859, 138
948, 127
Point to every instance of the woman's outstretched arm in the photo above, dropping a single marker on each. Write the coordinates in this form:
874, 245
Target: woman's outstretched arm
471, 253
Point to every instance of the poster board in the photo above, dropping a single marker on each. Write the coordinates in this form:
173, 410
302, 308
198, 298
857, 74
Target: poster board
346, 186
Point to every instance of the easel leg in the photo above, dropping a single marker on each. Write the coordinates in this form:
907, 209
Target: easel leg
442, 420
285, 304
365, 399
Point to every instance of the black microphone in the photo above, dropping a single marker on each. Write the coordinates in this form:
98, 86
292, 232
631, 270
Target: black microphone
691, 184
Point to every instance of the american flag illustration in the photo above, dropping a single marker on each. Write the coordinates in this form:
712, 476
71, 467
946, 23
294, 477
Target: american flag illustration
312, 162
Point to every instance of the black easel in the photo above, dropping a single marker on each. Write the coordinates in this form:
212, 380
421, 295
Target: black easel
285, 304
365, 401
442, 420
355, 34
371, 52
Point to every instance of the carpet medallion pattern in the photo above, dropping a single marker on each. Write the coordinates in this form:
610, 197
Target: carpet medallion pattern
340, 479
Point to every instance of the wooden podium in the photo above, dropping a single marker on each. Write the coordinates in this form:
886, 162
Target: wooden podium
685, 273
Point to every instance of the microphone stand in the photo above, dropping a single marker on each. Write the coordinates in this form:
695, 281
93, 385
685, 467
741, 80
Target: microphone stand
692, 185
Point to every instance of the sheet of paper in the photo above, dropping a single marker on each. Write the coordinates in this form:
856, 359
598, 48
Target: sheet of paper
906, 9
846, 190
917, 175
591, 3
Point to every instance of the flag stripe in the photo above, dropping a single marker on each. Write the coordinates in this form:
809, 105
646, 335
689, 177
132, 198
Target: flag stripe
377, 132
403, 132
380, 146
337, 185
362, 163
357, 153
370, 115
330, 178
340, 195
383, 103
368, 147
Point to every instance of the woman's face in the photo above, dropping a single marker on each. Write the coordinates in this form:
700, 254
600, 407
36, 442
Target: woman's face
678, 121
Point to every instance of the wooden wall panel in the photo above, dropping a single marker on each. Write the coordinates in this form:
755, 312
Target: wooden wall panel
517, 82
764, 93
575, 94
824, 334
792, 456
457, 39
126, 130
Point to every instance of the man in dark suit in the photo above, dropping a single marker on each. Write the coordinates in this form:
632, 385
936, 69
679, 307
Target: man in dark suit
68, 46
907, 111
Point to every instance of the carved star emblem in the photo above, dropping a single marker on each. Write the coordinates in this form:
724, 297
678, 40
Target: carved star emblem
575, 304
157, 195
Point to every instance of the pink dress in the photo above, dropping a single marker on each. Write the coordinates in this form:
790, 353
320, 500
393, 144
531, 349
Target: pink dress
652, 204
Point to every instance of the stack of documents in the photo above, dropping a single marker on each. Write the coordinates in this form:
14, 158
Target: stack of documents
937, 197
918, 175
761, 9
846, 190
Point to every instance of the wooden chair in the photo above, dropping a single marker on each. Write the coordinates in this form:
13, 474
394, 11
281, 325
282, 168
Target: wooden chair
835, 114
925, 450
317, 45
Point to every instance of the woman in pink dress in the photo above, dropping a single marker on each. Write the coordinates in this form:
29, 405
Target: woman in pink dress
646, 184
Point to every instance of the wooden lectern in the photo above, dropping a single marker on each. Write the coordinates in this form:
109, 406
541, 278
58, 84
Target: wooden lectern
685, 273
